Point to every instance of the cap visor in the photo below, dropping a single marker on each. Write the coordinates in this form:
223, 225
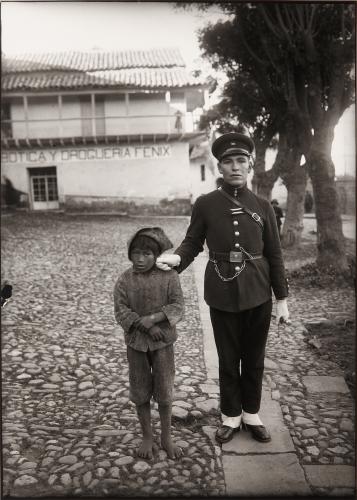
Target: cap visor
235, 151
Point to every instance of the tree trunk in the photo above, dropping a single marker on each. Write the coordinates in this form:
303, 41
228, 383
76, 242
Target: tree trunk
295, 183
294, 177
265, 183
331, 248
259, 165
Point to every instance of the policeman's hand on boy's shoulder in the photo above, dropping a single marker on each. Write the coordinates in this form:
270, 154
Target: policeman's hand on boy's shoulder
282, 312
165, 262
156, 333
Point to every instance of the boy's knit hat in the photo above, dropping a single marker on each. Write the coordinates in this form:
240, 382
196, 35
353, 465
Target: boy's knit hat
155, 233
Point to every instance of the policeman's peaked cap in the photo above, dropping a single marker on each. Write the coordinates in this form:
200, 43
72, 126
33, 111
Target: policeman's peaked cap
232, 143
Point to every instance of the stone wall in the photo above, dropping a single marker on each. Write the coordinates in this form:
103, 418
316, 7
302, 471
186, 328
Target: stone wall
136, 206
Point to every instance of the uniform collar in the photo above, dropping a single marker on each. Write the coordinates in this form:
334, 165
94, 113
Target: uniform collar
233, 190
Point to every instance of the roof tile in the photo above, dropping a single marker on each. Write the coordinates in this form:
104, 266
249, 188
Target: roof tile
94, 60
150, 79
156, 68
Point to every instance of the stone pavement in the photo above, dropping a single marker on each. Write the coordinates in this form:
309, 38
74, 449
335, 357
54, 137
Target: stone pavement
68, 426
296, 462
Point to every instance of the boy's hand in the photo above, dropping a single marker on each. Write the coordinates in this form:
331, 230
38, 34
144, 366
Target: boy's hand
156, 333
145, 323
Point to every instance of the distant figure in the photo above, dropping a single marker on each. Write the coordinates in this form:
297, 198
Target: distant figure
309, 202
178, 122
12, 195
6, 293
278, 214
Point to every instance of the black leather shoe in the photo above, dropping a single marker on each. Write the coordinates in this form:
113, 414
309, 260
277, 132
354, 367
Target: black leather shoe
225, 433
259, 432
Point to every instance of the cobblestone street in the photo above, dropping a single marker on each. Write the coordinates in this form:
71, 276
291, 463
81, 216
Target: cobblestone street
68, 425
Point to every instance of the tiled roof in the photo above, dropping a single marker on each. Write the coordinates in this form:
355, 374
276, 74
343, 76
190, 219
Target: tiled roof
160, 68
93, 60
133, 78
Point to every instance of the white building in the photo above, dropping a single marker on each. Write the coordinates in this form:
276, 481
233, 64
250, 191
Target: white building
107, 130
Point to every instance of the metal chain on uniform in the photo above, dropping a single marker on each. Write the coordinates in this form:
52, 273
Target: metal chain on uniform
223, 278
231, 277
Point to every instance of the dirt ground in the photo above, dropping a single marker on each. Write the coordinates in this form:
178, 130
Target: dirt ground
333, 339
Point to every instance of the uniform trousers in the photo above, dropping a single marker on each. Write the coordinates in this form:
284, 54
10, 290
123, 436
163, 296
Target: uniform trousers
240, 339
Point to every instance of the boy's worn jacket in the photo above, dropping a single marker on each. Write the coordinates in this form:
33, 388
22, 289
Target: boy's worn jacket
141, 294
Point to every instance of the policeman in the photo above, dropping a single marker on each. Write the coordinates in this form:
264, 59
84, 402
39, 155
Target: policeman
245, 264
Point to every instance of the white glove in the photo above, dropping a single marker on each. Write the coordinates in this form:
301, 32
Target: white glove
166, 262
282, 313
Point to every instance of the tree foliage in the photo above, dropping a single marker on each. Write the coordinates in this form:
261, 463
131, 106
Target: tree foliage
300, 57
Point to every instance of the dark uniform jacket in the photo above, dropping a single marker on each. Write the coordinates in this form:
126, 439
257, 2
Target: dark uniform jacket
223, 230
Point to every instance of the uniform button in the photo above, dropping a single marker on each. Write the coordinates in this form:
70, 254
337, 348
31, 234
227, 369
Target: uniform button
236, 233
235, 222
237, 245
237, 268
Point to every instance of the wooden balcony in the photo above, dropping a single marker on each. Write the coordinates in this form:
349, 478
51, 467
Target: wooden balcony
131, 130
53, 128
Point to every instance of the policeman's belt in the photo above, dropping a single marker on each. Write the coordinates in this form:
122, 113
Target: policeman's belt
232, 256
256, 217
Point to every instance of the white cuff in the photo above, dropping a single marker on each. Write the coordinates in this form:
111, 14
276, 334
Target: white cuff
251, 418
233, 422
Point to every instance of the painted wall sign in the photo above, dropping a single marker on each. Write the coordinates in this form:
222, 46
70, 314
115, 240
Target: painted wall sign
152, 152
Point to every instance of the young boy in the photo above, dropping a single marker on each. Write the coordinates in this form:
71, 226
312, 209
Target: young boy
148, 303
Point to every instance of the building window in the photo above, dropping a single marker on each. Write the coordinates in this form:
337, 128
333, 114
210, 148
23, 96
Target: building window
203, 173
86, 115
115, 112
147, 104
92, 117
42, 116
100, 115
6, 128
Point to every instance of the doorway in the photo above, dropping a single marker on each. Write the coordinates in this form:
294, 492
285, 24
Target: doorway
44, 192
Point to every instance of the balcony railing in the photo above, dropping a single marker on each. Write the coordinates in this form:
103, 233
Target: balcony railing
55, 128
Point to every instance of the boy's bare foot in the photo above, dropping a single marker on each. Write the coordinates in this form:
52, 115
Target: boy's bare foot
172, 450
146, 449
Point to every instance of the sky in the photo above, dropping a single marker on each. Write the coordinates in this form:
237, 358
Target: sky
59, 26
55, 26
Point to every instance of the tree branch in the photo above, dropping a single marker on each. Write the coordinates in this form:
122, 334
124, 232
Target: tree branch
299, 9
269, 23
311, 21
247, 46
288, 19
343, 32
282, 24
